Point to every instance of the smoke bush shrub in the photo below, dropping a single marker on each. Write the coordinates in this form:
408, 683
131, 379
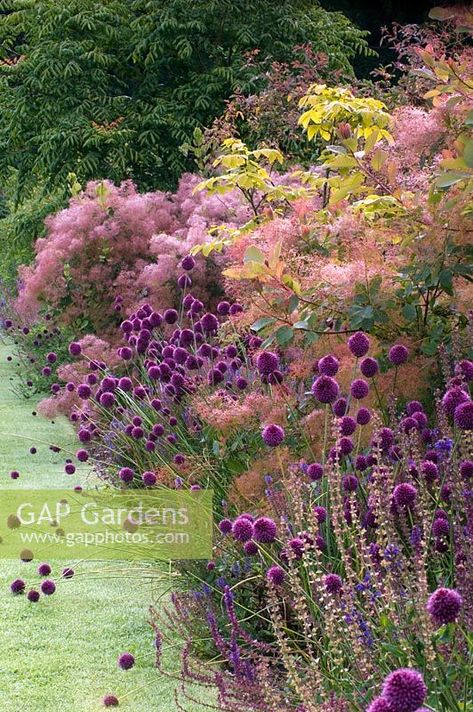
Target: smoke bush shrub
113, 245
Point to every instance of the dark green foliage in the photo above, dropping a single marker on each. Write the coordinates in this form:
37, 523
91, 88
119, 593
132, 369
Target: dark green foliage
112, 89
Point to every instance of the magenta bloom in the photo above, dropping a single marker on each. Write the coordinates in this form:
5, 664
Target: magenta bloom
84, 391
315, 471
250, 548
44, 569
398, 354
126, 474
67, 572
276, 575
17, 586
465, 368
325, 389
359, 389
453, 398
440, 527
347, 425
110, 701
404, 495
265, 530
225, 526
333, 583
320, 513
149, 478
466, 469
126, 661
273, 435
267, 362
33, 596
328, 365
369, 367
363, 416
242, 529
359, 344
48, 587
444, 605
404, 690
188, 263
464, 416
82, 455
74, 348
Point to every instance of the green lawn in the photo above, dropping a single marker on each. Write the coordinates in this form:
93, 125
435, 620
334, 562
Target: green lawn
60, 653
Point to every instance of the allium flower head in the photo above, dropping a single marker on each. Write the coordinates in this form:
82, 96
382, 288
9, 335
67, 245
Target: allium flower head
265, 530
267, 362
465, 368
48, 587
444, 605
126, 474
273, 435
328, 365
340, 407
325, 389
149, 478
380, 704
110, 701
33, 595
276, 575
315, 471
453, 398
68, 572
75, 348
398, 354
369, 367
440, 527
242, 529
17, 586
359, 389
44, 569
404, 690
404, 494
466, 469
363, 416
359, 344
464, 416
126, 661
333, 583
188, 263
250, 548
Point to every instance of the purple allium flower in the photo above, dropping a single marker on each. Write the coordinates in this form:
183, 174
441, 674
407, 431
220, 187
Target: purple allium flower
276, 575
33, 450
170, 316
225, 526
46, 371
359, 389
398, 354
453, 398
380, 704
75, 348
350, 483
242, 529
273, 435
265, 530
404, 494
421, 419
315, 471
149, 478
84, 391
333, 583
223, 308
363, 416
68, 572
359, 344
44, 569
328, 365
82, 455
250, 548
188, 263
340, 407
14, 474
236, 309
51, 357
369, 367
241, 383
430, 471
466, 469
440, 527
215, 377
110, 701
33, 596
184, 281
404, 690
386, 438
17, 586
297, 545
69, 469
209, 323
345, 446
126, 474
407, 424
320, 513
48, 587
414, 407
347, 425
361, 463
325, 389
464, 416
126, 661
267, 362
444, 605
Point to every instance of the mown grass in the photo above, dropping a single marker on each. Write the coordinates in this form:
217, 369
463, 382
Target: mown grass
60, 654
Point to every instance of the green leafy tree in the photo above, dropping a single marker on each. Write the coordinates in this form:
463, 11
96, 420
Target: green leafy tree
112, 89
